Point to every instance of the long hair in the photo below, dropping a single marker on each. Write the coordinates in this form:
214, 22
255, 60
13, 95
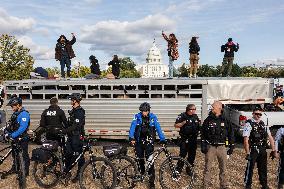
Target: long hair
173, 36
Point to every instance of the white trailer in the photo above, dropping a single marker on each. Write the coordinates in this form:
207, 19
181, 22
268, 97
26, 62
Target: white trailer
110, 104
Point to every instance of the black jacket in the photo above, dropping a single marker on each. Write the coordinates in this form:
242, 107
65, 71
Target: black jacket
68, 47
194, 48
53, 117
76, 122
229, 49
216, 130
95, 67
192, 126
115, 67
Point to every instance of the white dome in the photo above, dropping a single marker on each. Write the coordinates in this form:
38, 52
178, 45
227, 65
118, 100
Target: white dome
154, 55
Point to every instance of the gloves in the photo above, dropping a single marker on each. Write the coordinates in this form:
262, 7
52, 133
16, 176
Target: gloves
230, 151
248, 157
273, 154
204, 147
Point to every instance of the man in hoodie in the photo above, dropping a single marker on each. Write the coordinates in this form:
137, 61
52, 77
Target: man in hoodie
64, 53
215, 131
229, 48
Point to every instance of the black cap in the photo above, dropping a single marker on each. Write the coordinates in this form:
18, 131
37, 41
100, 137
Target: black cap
75, 96
14, 101
230, 39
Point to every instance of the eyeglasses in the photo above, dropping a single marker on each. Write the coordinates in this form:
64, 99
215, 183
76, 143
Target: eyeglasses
258, 114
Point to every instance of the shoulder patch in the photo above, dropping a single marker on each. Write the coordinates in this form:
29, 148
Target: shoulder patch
77, 120
24, 119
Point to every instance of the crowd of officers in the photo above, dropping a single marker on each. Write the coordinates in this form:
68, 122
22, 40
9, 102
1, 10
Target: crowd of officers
217, 138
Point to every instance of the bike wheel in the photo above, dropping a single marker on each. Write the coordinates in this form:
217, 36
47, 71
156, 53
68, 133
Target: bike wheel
126, 169
46, 175
173, 177
98, 172
21, 175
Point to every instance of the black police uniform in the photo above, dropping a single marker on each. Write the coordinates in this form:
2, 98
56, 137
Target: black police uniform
188, 133
216, 131
74, 145
257, 142
53, 119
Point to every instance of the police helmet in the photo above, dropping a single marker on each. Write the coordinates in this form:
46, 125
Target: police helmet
14, 101
144, 107
75, 96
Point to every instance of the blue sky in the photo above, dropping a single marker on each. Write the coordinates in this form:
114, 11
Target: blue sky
128, 27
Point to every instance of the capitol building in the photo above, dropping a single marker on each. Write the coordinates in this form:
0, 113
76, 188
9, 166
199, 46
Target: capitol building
154, 66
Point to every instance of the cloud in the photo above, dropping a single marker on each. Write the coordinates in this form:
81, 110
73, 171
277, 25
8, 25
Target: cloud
127, 38
94, 2
38, 52
14, 25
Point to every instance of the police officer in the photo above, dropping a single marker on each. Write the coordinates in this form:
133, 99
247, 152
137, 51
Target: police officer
53, 119
279, 147
75, 129
255, 142
189, 125
17, 128
215, 131
142, 135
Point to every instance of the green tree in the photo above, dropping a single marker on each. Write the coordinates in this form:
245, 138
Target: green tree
236, 71
207, 71
53, 71
80, 71
183, 71
15, 60
127, 68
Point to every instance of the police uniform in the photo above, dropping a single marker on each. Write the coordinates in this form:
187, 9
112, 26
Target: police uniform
188, 133
18, 127
279, 146
143, 131
74, 145
215, 131
257, 133
52, 119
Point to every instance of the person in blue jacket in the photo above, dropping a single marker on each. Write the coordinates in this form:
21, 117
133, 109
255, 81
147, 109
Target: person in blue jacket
17, 128
142, 135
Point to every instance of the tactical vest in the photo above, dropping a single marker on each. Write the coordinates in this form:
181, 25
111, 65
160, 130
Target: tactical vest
145, 131
258, 134
191, 127
72, 120
14, 125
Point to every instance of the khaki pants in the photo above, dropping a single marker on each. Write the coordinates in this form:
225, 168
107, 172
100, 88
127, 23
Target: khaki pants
221, 154
193, 63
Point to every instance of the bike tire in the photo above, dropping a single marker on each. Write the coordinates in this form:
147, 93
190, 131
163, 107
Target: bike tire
169, 172
48, 170
126, 169
101, 169
21, 175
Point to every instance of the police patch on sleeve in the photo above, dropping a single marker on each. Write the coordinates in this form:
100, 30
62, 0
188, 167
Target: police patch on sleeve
24, 119
77, 120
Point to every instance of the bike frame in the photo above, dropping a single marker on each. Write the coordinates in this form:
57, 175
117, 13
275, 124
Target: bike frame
3, 158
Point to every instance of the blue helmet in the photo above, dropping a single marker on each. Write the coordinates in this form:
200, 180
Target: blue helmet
15, 101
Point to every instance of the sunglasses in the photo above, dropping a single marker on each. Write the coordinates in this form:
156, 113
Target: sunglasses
193, 109
258, 114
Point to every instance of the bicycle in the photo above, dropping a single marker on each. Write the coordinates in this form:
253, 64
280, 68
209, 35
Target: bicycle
169, 170
16, 150
49, 172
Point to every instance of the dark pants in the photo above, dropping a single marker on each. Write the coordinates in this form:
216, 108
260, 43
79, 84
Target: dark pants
74, 147
187, 148
116, 71
145, 150
260, 158
65, 61
26, 158
281, 169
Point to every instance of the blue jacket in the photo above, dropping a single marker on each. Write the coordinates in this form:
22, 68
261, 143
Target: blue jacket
135, 130
23, 119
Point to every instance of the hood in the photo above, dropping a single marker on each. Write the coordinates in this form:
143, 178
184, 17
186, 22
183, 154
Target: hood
58, 40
